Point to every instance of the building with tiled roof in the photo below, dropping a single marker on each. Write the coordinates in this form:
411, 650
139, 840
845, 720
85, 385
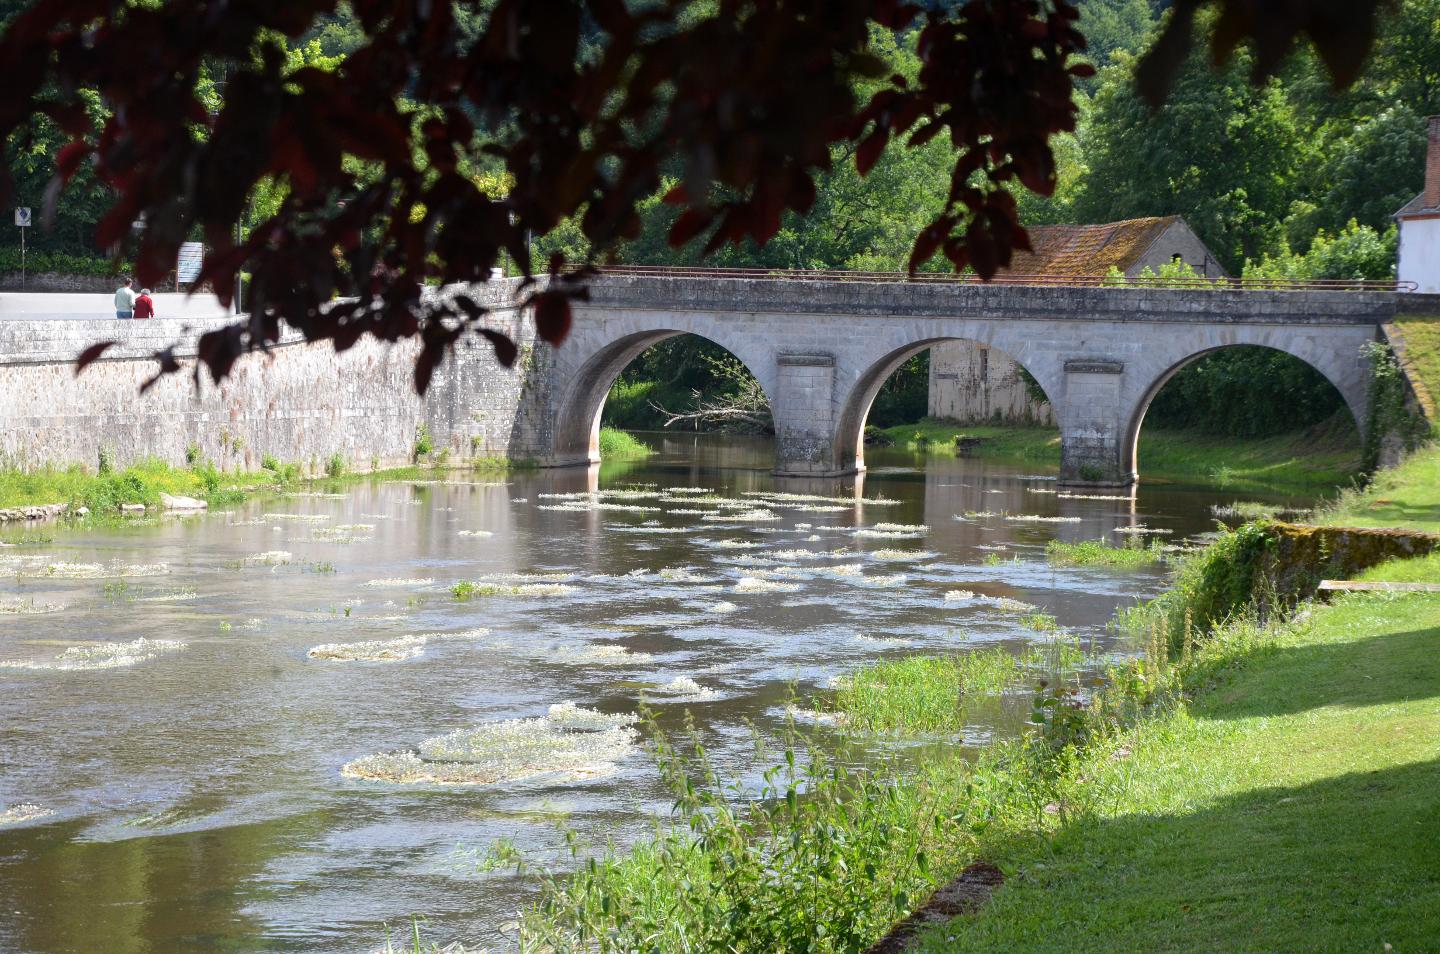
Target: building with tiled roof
972, 383
1419, 223
1130, 246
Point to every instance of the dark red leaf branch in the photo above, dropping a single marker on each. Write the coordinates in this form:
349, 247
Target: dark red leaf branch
379, 159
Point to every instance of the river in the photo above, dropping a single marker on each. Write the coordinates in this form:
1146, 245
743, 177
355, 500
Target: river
188, 790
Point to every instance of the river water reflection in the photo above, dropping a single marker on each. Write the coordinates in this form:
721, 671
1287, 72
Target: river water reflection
195, 792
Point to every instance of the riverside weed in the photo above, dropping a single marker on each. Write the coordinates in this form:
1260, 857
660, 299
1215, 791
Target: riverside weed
1100, 553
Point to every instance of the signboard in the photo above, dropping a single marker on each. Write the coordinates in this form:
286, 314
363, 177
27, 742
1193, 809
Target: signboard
22, 217
187, 267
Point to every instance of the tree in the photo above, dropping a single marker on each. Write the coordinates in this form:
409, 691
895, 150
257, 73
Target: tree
1221, 152
746, 103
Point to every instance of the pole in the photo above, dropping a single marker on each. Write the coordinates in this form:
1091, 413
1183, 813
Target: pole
22, 258
239, 281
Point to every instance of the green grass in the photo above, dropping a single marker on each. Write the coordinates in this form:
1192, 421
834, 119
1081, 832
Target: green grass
922, 693
1406, 496
1421, 355
1100, 553
1290, 805
1324, 457
141, 483
1424, 569
616, 443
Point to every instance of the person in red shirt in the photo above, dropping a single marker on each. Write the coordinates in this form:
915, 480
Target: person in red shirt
144, 305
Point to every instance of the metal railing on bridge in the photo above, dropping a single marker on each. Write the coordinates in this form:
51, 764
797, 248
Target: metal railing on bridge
1009, 278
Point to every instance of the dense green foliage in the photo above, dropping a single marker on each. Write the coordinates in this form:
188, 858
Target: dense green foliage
1209, 588
1245, 392
1318, 459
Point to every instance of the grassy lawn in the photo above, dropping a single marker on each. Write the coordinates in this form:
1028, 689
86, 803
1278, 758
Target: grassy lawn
1407, 496
1324, 458
1421, 355
1293, 805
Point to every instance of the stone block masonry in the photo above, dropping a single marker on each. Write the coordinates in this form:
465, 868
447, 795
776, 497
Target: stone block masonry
300, 403
820, 351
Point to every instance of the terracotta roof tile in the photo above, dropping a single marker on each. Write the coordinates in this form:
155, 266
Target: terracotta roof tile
1417, 206
1088, 249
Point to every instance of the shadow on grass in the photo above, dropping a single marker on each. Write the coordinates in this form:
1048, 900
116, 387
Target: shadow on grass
1391, 667
1349, 863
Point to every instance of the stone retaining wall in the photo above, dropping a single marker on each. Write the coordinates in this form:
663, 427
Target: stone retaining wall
1301, 555
301, 403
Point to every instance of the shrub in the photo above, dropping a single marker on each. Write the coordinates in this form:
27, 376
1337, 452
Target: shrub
424, 442
1210, 586
335, 467
616, 444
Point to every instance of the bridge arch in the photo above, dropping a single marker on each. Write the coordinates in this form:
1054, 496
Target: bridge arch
589, 377
855, 408
1344, 373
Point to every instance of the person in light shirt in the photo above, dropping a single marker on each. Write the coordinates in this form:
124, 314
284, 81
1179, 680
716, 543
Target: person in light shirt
125, 300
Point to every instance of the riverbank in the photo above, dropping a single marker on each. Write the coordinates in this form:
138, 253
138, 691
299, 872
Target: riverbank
1281, 799
1265, 785
147, 483
1325, 457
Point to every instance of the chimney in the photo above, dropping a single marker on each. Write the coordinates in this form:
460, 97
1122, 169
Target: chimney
1432, 166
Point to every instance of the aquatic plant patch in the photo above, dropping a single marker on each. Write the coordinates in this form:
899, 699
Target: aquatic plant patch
744, 516
685, 689
101, 655
25, 811
751, 584
569, 742
1038, 518
399, 581
923, 693
28, 607
603, 653
1100, 553
95, 571
901, 555
682, 574
373, 650
467, 590
269, 558
730, 544
893, 531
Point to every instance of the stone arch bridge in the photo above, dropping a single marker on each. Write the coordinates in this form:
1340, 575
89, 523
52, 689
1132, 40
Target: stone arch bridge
822, 348
820, 345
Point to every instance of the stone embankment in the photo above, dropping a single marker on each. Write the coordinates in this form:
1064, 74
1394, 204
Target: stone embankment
42, 512
1300, 556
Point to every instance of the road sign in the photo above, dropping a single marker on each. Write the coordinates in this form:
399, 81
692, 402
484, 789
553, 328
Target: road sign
22, 217
187, 268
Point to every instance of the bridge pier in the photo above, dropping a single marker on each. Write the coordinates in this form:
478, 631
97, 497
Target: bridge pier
1093, 423
806, 417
